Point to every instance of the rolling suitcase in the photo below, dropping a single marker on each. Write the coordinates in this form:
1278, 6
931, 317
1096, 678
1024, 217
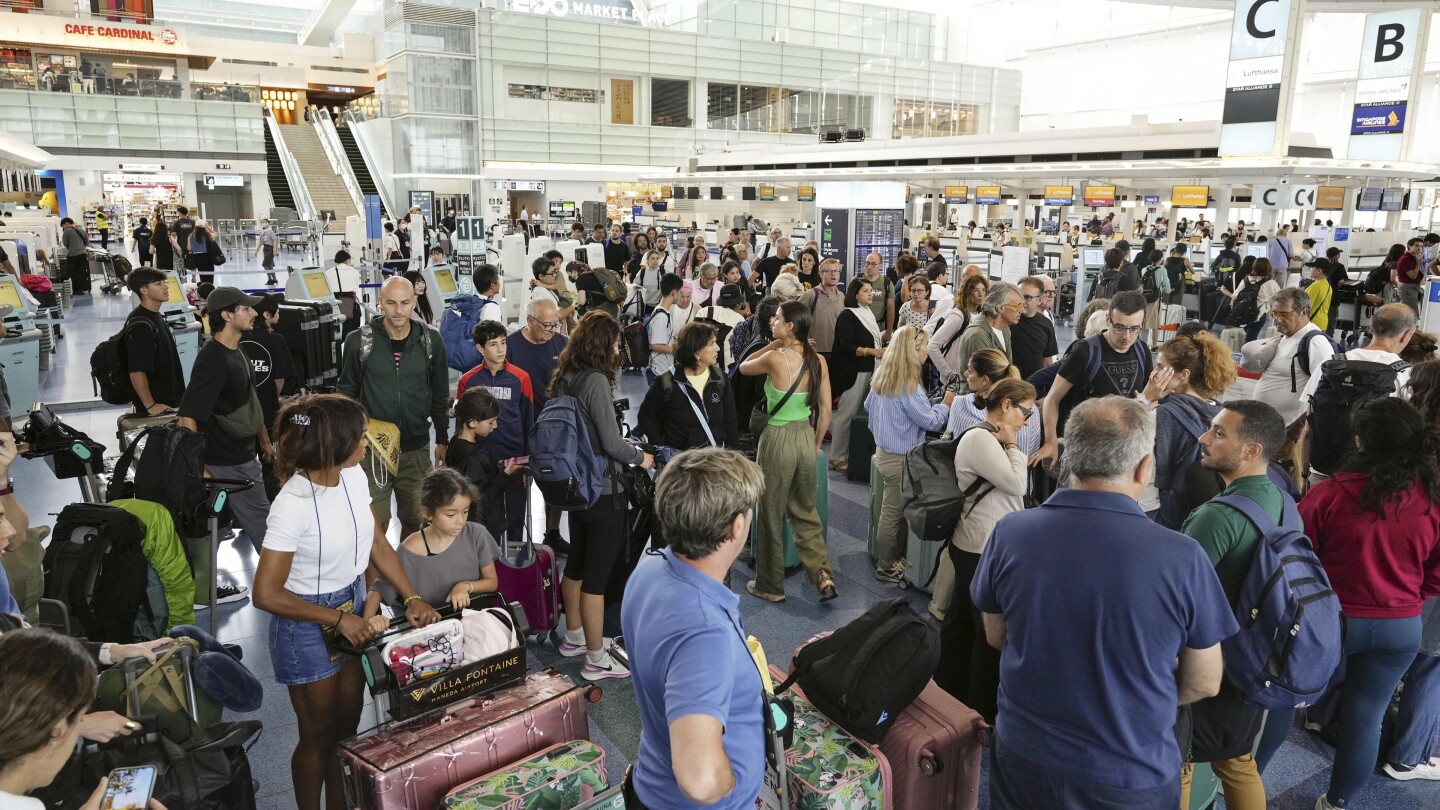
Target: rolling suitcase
826, 767
862, 447
165, 689
300, 326
411, 765
934, 753
330, 321
611, 798
920, 562
1233, 337
531, 577
562, 777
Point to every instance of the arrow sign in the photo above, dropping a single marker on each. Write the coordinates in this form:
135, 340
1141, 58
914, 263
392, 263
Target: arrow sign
827, 219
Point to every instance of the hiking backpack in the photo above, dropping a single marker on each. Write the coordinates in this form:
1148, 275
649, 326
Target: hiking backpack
566, 468
863, 675
1245, 307
1149, 284
96, 565
1292, 630
169, 466
1301, 360
1044, 379
1344, 385
457, 327
933, 501
108, 364
1193, 483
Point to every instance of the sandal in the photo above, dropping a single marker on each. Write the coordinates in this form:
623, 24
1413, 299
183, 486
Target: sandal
826, 585
759, 594
840, 466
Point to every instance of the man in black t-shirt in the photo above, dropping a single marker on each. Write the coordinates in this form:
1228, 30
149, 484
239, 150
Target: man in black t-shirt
1032, 338
142, 235
769, 267
1123, 370
271, 364
182, 228
151, 356
220, 386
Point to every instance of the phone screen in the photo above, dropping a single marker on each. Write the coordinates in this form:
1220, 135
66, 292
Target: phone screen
130, 788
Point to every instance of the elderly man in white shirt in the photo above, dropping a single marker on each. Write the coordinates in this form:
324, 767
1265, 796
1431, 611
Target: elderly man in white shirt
1391, 329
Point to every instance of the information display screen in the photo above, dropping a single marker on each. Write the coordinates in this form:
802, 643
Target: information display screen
879, 231
316, 285
1369, 199
1393, 199
444, 279
9, 296
1092, 256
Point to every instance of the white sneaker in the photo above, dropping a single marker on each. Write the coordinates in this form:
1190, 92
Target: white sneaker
570, 649
1323, 803
606, 667
1425, 770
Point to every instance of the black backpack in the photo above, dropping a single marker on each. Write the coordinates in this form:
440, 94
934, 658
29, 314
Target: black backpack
169, 466
722, 330
1344, 385
1150, 285
96, 566
866, 673
1245, 308
108, 367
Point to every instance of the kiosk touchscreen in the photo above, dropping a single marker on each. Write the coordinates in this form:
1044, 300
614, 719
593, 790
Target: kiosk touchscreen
440, 286
181, 317
20, 347
1259, 250
1092, 261
310, 283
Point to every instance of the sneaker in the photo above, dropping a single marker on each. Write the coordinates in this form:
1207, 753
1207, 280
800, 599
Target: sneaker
1323, 803
754, 591
226, 594
558, 543
1404, 773
570, 649
893, 573
607, 667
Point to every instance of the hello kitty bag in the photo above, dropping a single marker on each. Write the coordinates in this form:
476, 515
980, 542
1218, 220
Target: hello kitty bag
425, 652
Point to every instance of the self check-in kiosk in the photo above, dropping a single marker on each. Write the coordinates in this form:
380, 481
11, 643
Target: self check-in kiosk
1092, 261
310, 283
181, 316
440, 287
20, 347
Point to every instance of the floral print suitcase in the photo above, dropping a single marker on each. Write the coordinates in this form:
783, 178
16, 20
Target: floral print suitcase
828, 768
561, 777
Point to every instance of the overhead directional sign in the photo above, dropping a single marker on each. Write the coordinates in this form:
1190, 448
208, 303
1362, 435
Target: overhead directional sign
835, 235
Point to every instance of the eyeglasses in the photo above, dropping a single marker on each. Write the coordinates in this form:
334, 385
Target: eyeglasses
551, 325
1048, 294
1277, 315
1029, 298
1127, 330
1013, 305
1026, 412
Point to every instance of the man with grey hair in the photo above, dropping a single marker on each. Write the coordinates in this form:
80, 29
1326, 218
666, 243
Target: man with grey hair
826, 302
768, 250
702, 735
1000, 311
1288, 374
1033, 335
535, 348
1055, 600
707, 286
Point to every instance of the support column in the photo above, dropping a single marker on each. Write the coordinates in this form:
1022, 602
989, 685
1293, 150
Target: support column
1222, 209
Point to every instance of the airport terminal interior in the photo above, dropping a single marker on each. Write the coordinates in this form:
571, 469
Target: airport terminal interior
1018, 137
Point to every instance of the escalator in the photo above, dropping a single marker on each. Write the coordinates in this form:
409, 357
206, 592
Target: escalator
357, 160
275, 174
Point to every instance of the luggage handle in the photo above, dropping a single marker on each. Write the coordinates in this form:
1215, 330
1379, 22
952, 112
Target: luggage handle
490, 599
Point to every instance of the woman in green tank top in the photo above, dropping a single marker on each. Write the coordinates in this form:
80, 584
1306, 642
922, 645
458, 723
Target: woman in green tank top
787, 452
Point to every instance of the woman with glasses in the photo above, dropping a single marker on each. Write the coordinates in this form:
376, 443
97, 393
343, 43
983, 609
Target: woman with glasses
992, 468
918, 308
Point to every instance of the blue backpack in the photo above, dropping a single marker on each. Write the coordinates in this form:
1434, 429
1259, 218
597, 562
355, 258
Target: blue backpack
1292, 630
456, 328
566, 468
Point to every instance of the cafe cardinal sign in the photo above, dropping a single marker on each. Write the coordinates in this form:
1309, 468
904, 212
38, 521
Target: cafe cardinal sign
38, 29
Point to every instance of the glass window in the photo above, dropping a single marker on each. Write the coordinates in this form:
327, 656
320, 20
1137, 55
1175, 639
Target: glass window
669, 103
914, 118
720, 105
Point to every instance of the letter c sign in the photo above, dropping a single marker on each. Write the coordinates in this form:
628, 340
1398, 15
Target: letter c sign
1251, 26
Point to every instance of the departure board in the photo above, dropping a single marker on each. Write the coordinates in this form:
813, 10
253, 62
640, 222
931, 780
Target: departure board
879, 231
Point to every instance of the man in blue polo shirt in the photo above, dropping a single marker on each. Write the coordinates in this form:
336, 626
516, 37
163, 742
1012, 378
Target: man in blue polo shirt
1092, 604
702, 736
535, 347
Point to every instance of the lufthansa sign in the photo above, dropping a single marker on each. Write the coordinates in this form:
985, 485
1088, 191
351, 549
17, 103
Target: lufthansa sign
1298, 197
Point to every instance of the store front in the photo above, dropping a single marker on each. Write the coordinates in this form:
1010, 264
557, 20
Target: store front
129, 195
69, 55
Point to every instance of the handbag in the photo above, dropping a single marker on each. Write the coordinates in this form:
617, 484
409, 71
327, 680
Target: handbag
760, 417
189, 261
212, 249
246, 421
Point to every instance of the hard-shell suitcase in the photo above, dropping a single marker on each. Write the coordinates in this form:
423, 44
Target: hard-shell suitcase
934, 753
828, 768
531, 576
300, 326
1233, 337
330, 321
787, 535
612, 798
410, 765
562, 777
862, 447
919, 560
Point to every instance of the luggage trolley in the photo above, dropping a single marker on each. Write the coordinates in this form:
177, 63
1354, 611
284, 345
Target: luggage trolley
218, 491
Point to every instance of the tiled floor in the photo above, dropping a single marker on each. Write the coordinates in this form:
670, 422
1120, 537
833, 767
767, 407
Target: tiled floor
1298, 774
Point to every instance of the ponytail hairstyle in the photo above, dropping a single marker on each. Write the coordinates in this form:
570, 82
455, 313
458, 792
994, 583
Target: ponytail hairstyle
993, 365
1011, 388
1210, 363
1395, 448
798, 316
316, 432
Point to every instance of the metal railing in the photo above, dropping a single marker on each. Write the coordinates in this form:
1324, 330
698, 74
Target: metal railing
298, 190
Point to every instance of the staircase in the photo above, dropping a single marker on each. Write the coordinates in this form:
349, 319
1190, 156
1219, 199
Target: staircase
327, 189
357, 161
275, 174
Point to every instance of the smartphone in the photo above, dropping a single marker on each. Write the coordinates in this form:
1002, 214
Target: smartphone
518, 461
130, 788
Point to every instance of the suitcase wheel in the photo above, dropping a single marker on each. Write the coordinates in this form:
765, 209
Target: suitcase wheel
928, 765
904, 584
593, 694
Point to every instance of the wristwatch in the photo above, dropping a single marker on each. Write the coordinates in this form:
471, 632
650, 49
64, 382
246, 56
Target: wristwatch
9, 488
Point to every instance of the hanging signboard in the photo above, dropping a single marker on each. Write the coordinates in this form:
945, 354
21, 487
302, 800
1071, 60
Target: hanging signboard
1100, 195
957, 195
1330, 198
988, 195
767, 193
1059, 195
1382, 87
1254, 84
805, 193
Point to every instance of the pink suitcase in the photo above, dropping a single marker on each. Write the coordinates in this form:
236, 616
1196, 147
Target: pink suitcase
411, 765
934, 753
535, 585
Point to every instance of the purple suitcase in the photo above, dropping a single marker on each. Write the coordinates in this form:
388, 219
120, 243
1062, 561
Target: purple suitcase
535, 584
934, 753
411, 765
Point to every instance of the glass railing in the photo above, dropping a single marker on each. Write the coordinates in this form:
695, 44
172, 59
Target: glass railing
101, 85
228, 91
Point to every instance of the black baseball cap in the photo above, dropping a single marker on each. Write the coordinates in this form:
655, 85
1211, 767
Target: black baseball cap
1333, 251
228, 297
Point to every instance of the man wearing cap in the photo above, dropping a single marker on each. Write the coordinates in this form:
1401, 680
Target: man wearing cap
271, 364
725, 313
218, 404
1322, 294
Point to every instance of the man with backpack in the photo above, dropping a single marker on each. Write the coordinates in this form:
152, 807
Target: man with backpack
220, 403
1352, 377
151, 356
395, 366
1288, 364
660, 329
1238, 445
1114, 362
535, 349
998, 313
1118, 276
1089, 660
487, 286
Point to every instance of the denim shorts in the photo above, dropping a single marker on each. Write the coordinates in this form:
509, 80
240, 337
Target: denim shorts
299, 653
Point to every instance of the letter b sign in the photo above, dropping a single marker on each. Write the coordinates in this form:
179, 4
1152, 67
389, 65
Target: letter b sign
1389, 42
